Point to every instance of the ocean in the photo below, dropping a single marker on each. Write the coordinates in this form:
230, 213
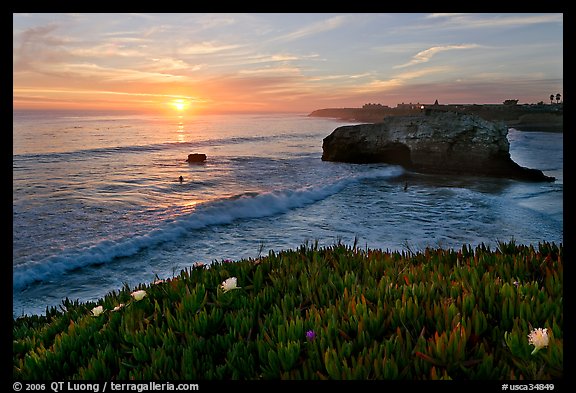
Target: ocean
97, 201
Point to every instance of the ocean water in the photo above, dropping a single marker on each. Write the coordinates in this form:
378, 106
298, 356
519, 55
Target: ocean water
97, 203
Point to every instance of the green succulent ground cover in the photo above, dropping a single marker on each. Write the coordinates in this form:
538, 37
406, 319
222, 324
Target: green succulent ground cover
335, 312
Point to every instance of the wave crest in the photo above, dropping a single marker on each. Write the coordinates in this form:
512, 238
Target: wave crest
221, 212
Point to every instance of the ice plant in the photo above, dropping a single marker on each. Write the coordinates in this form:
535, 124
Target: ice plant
97, 311
310, 335
538, 338
229, 284
138, 295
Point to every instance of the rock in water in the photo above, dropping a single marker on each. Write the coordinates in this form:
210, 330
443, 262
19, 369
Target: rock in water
445, 142
196, 157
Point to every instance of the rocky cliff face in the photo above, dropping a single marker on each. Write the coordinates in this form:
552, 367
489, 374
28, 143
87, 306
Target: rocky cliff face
450, 143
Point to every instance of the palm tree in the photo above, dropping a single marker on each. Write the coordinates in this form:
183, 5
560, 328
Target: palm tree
551, 98
558, 98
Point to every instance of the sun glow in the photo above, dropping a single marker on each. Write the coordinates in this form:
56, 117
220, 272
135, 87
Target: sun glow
179, 104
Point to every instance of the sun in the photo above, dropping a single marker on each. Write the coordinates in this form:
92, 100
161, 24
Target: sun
179, 104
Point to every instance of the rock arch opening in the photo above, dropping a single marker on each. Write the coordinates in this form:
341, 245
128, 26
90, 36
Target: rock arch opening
397, 154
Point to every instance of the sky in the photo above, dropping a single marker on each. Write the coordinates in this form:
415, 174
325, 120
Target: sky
213, 63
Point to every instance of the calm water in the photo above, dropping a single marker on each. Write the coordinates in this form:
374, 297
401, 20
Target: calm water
97, 202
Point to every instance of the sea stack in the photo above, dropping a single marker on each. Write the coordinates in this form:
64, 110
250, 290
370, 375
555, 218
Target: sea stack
436, 142
196, 157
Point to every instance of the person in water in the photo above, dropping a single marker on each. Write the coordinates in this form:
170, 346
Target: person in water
181, 179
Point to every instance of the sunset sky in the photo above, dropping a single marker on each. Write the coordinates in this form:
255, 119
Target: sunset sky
206, 63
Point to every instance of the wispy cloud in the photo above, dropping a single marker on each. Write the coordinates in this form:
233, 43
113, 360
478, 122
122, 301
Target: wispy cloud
90, 71
315, 28
170, 64
40, 92
127, 36
399, 80
274, 58
493, 20
108, 50
442, 15
206, 48
33, 44
425, 55
340, 78
271, 71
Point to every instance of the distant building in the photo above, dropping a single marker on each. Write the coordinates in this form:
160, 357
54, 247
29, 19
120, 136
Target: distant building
408, 106
374, 106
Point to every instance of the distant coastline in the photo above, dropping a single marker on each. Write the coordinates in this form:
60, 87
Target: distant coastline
528, 117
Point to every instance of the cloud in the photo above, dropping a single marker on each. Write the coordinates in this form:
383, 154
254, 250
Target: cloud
170, 64
90, 71
280, 58
36, 93
494, 20
398, 80
443, 15
215, 21
206, 48
425, 55
273, 58
271, 70
109, 49
342, 77
315, 28
34, 43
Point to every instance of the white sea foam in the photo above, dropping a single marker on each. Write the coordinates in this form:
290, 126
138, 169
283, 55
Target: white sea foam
220, 212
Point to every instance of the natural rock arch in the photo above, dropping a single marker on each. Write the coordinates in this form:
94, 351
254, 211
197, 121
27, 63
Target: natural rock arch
442, 142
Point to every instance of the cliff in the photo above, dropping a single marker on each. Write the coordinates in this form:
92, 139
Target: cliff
440, 142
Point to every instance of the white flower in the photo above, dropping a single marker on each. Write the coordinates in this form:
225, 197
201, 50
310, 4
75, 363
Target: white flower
158, 282
138, 295
118, 307
97, 311
538, 338
229, 284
